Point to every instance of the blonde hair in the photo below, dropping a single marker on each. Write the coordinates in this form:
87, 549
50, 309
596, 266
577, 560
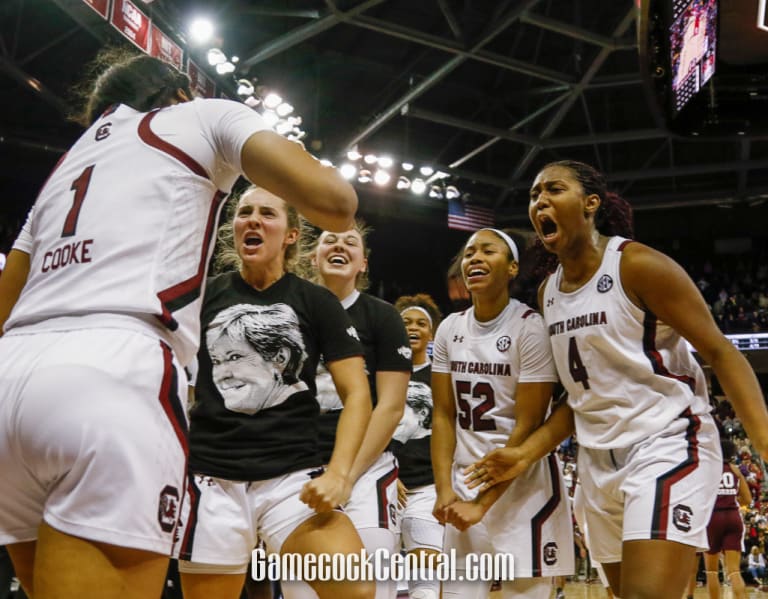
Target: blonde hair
227, 258
308, 270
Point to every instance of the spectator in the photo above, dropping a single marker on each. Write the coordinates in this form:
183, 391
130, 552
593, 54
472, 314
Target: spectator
756, 565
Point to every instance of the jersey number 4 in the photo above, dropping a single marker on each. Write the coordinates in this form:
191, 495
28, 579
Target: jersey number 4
472, 418
575, 365
80, 187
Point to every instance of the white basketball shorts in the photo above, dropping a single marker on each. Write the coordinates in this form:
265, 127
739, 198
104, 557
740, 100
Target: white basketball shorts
227, 519
93, 436
663, 488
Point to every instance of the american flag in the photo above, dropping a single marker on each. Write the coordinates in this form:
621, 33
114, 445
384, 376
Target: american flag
467, 217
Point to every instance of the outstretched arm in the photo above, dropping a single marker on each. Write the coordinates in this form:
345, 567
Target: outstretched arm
509, 462
391, 390
443, 443
285, 169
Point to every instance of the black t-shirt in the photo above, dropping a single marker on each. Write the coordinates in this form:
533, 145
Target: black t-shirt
386, 347
412, 437
255, 415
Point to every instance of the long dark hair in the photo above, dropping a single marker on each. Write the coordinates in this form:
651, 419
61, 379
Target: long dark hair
120, 76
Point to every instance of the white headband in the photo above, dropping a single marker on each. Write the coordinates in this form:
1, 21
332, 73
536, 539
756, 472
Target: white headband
420, 309
507, 239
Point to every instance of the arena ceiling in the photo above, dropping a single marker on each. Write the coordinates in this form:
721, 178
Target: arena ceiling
486, 90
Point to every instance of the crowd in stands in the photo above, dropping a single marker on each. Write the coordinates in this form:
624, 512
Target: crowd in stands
736, 291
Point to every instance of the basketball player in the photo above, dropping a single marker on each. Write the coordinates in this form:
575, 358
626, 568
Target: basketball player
725, 530
112, 261
256, 471
617, 314
339, 262
492, 380
422, 534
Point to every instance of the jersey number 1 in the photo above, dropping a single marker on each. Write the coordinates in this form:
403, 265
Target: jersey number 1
575, 365
80, 187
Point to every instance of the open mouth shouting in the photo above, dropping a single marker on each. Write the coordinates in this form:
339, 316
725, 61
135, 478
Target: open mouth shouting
547, 228
252, 241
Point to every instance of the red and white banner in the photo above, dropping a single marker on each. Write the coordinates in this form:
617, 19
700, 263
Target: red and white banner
202, 85
165, 48
131, 22
100, 6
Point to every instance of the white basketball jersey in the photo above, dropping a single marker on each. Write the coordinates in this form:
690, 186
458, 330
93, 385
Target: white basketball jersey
126, 221
486, 360
627, 374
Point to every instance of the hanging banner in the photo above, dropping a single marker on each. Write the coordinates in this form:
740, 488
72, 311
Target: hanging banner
131, 22
100, 6
202, 85
165, 48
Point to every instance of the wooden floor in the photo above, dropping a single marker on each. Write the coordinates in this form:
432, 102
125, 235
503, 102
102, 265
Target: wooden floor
581, 590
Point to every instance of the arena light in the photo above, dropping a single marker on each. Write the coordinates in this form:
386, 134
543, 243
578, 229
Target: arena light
272, 100
436, 192
270, 117
354, 155
216, 57
407, 166
244, 88
284, 109
283, 127
326, 162
201, 30
426, 170
364, 176
381, 177
451, 192
385, 161
235, 59
348, 171
403, 183
225, 68
252, 101
418, 186
370, 159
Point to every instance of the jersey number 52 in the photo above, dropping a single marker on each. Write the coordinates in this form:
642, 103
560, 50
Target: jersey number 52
472, 418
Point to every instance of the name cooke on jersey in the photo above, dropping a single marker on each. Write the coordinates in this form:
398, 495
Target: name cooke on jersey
577, 322
77, 252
